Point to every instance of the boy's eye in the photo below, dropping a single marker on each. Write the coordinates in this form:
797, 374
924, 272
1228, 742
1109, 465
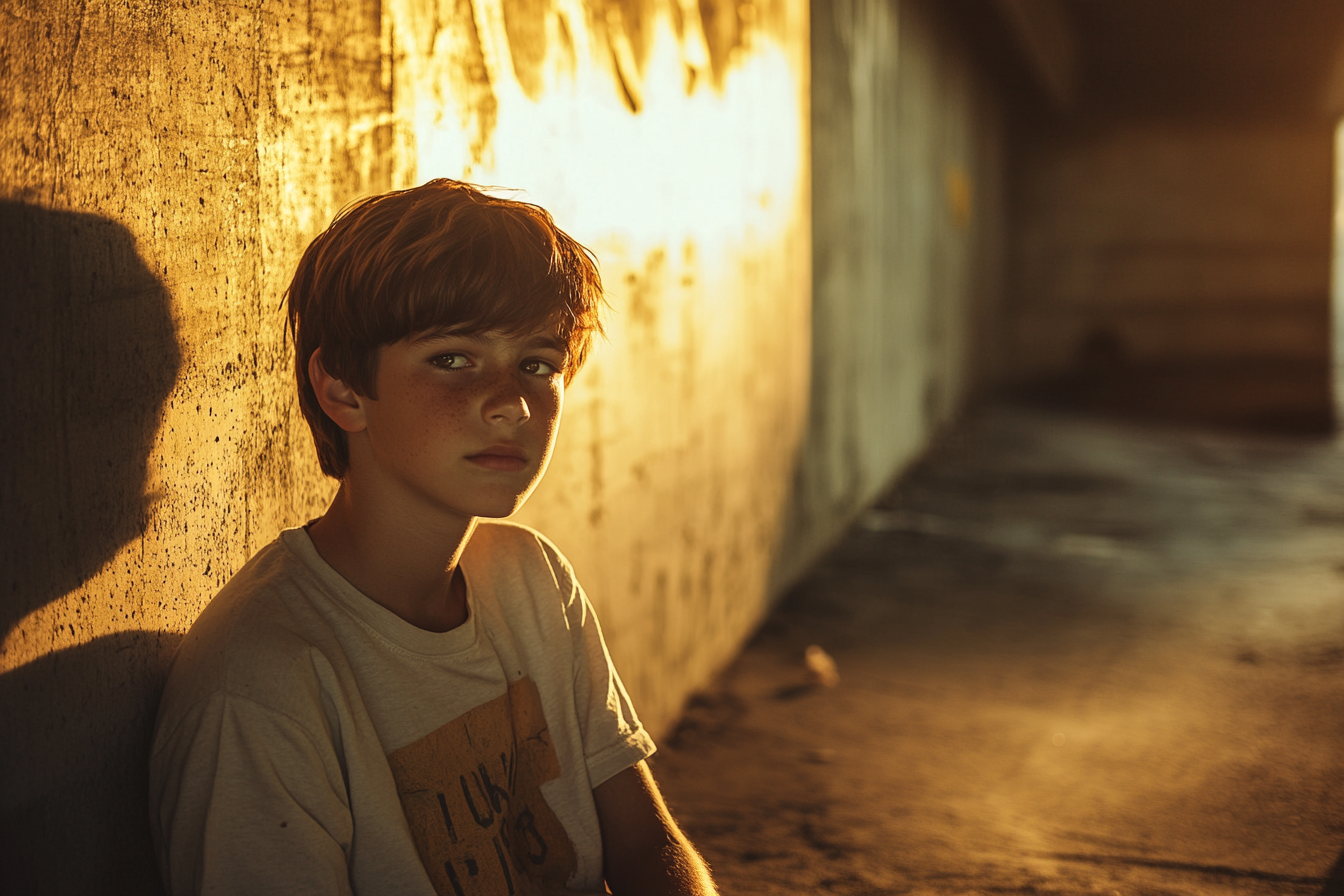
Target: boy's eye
449, 361
538, 367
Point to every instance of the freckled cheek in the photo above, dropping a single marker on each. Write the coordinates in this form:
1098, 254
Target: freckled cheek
435, 418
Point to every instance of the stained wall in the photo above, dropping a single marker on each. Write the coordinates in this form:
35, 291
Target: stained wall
161, 167
1337, 283
908, 152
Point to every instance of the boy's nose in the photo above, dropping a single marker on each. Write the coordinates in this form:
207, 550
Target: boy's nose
507, 405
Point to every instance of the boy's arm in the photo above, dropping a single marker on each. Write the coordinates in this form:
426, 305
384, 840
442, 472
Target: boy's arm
645, 853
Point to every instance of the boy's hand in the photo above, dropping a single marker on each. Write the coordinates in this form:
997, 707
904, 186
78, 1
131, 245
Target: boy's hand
645, 853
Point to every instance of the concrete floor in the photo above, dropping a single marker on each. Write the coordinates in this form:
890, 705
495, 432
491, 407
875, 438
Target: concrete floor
1075, 657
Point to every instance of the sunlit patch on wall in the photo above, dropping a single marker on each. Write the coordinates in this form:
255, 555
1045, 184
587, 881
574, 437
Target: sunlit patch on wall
613, 128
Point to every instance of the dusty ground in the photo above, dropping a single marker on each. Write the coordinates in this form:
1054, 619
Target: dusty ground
1075, 657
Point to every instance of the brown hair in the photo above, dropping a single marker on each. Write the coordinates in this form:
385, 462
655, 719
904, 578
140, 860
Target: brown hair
443, 254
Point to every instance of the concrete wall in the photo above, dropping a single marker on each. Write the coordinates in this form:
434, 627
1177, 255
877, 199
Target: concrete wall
161, 166
1337, 280
907, 181
1185, 241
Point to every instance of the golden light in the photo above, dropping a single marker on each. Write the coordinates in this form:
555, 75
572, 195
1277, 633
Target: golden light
683, 163
720, 165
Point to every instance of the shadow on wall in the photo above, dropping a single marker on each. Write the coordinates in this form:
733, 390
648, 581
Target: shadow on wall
1269, 395
88, 356
1334, 879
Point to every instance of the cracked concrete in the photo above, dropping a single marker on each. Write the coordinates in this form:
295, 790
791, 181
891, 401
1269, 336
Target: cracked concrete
1075, 656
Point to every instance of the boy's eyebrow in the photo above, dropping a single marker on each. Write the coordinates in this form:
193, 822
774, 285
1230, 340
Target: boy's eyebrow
442, 333
549, 340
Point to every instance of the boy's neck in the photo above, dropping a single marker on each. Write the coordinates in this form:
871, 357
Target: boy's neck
406, 562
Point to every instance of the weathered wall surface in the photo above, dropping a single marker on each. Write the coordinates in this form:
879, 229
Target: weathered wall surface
1337, 283
161, 166
907, 186
684, 166
1172, 241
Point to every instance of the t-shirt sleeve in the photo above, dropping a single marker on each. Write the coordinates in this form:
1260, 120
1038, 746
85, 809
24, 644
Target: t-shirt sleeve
613, 738
246, 801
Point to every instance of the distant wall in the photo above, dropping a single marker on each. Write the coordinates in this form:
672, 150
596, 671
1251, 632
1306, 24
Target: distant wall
161, 167
1171, 241
907, 183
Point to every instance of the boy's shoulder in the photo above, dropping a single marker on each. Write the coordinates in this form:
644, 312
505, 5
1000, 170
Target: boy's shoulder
499, 549
262, 627
520, 577
505, 536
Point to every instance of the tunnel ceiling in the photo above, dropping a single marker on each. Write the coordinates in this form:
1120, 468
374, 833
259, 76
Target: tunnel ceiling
1274, 58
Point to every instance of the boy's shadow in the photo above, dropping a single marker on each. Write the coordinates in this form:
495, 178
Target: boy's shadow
88, 356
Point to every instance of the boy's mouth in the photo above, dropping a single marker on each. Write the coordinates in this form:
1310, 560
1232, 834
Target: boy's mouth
505, 458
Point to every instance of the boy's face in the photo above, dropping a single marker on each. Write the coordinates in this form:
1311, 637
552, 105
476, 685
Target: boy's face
463, 423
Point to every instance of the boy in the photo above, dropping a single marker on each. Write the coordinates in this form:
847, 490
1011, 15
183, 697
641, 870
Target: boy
398, 698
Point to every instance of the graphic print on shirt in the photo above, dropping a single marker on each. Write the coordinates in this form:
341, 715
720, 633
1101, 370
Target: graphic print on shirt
471, 791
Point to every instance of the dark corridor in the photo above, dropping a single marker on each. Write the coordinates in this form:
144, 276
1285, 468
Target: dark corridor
1075, 656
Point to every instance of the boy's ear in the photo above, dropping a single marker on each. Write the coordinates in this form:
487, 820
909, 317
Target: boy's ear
341, 403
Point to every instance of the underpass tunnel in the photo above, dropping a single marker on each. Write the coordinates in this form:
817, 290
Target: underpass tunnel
1125, 208
1088, 637
1172, 208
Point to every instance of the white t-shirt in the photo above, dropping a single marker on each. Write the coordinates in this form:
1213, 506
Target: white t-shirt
311, 741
